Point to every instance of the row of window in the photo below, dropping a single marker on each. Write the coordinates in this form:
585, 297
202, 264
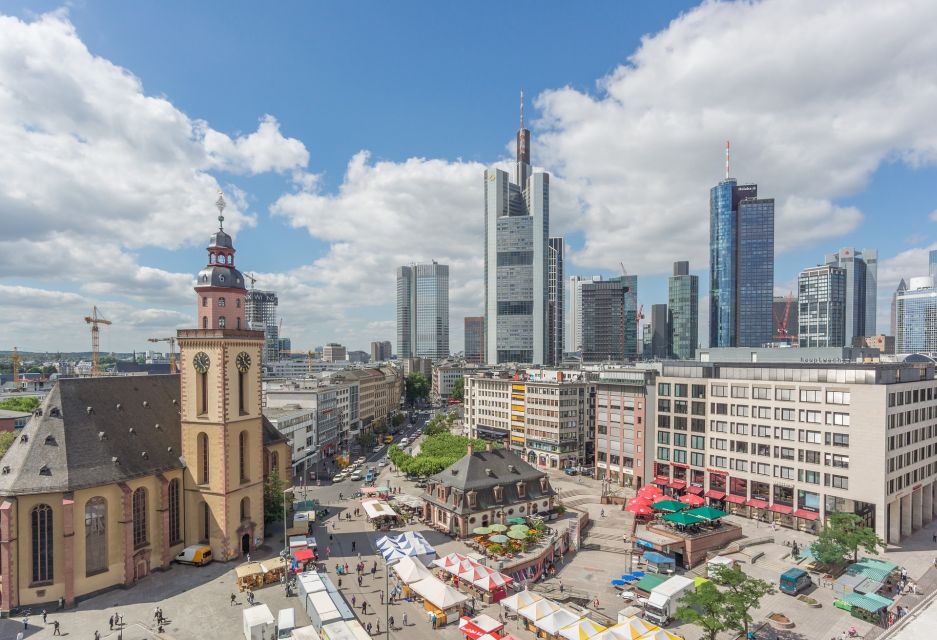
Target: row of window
783, 394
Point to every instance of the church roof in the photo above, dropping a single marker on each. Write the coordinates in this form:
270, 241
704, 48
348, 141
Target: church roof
94, 431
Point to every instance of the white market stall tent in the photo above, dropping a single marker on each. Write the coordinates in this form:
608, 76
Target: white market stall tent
410, 570
520, 600
438, 593
552, 623
377, 509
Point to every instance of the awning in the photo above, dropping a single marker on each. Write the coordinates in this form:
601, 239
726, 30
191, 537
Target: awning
304, 555
475, 628
662, 480
806, 514
730, 497
869, 602
757, 504
377, 509
715, 495
694, 490
658, 558
781, 508
677, 484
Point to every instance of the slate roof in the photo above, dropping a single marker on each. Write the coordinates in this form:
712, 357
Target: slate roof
123, 366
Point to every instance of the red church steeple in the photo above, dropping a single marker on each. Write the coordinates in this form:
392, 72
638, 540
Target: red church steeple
220, 287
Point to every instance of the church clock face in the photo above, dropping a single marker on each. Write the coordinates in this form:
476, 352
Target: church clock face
201, 362
243, 361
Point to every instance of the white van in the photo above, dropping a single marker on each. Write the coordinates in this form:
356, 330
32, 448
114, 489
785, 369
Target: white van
286, 622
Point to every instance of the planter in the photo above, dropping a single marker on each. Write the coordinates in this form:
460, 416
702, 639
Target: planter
781, 621
810, 602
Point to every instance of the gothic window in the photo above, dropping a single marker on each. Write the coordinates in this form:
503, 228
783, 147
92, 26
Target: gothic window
245, 509
242, 455
202, 445
204, 322
206, 522
221, 322
175, 530
95, 536
204, 301
274, 461
221, 302
41, 521
202, 383
242, 398
139, 518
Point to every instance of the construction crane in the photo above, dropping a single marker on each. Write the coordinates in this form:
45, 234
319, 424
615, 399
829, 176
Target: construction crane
172, 351
252, 278
94, 320
16, 359
781, 323
310, 360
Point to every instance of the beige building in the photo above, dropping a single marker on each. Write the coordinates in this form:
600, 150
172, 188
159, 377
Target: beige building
378, 395
334, 352
792, 442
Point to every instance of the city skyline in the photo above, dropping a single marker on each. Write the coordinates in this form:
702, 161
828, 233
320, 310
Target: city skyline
124, 203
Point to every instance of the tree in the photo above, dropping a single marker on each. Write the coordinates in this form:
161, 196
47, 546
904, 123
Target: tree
417, 387
458, 389
743, 593
273, 498
705, 608
848, 532
398, 419
26, 404
6, 439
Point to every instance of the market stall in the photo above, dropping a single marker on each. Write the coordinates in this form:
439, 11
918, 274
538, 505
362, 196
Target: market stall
407, 544
659, 563
410, 570
379, 513
520, 600
549, 626
320, 609
309, 582
477, 627
582, 630
443, 603
249, 575
537, 611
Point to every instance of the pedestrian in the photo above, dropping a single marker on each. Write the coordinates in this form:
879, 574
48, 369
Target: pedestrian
561, 586
359, 580
359, 553
55, 628
330, 537
248, 557
44, 614
234, 599
328, 552
378, 626
382, 597
339, 583
403, 618
97, 635
364, 606
353, 600
110, 621
346, 567
353, 545
25, 623
935, 537
369, 628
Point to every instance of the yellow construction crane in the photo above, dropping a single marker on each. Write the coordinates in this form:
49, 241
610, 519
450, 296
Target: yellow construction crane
16, 368
172, 351
94, 320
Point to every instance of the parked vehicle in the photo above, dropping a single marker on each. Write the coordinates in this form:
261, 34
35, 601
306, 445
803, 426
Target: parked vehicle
793, 581
356, 476
664, 600
370, 476
388, 439
338, 477
286, 622
197, 554
570, 471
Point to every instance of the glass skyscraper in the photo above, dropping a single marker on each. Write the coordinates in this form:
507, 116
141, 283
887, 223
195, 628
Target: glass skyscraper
821, 297
423, 311
861, 267
741, 263
683, 311
916, 316
609, 319
555, 308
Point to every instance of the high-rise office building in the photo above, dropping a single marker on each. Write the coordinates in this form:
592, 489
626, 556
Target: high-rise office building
932, 264
555, 285
574, 312
260, 311
741, 265
517, 226
902, 287
381, 351
475, 339
683, 307
861, 267
821, 297
660, 333
609, 319
916, 316
423, 311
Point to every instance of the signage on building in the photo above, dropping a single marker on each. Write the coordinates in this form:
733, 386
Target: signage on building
717, 471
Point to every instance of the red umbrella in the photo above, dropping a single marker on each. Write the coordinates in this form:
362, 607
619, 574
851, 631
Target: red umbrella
649, 490
640, 509
692, 500
642, 500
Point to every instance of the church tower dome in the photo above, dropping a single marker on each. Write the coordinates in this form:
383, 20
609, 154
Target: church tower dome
220, 286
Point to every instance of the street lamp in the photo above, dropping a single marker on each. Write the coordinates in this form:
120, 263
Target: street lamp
387, 565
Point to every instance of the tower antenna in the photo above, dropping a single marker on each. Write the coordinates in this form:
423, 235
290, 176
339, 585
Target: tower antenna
727, 159
522, 108
220, 203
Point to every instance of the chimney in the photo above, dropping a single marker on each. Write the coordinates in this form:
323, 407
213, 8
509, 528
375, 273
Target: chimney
488, 446
471, 448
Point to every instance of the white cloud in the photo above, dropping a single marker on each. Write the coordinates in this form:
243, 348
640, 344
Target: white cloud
260, 152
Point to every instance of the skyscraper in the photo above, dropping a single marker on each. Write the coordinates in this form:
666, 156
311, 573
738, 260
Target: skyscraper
574, 312
902, 287
555, 285
260, 311
423, 311
821, 298
917, 316
932, 264
660, 333
517, 226
381, 351
609, 319
741, 265
683, 307
475, 339
861, 267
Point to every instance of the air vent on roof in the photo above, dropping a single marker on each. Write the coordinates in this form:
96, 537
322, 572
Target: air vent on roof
490, 473
44, 470
118, 406
157, 427
89, 410
146, 403
511, 468
54, 412
132, 431
169, 449
50, 439
6, 469
115, 460
145, 455
102, 436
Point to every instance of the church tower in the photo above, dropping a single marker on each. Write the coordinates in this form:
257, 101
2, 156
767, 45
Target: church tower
222, 430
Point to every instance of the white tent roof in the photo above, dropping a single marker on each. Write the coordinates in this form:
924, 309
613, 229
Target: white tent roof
539, 609
305, 633
410, 570
438, 593
258, 615
520, 600
484, 622
552, 623
338, 631
583, 628
377, 509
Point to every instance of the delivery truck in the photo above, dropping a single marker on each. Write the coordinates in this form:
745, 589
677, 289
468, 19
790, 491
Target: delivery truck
664, 600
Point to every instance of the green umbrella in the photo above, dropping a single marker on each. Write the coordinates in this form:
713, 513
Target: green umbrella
668, 505
501, 528
517, 535
516, 520
708, 513
523, 528
481, 531
682, 518
499, 539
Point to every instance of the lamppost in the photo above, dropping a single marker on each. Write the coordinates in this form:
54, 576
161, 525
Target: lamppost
387, 565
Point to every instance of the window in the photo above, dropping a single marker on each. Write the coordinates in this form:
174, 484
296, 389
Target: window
498, 493
202, 389
836, 460
784, 433
697, 459
237, 303
242, 456
812, 437
698, 408
204, 322
698, 391
786, 395
837, 439
739, 392
175, 526
679, 422
840, 419
679, 390
719, 390
41, 522
813, 417
761, 468
761, 430
206, 522
809, 456
679, 406
221, 322
221, 302
782, 414
698, 442
663, 453
719, 461
719, 426
719, 443
521, 490
810, 395
204, 301
242, 396
203, 464
245, 509
663, 389
697, 425
663, 405
663, 437
95, 536
761, 393
784, 472
679, 439
139, 517
274, 461
837, 397
663, 421
679, 456
812, 477
838, 482
785, 453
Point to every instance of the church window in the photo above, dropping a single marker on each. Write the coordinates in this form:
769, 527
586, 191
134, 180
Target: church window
204, 322
202, 389
211, 258
139, 518
41, 517
221, 322
175, 530
238, 323
274, 461
221, 302
206, 522
202, 445
245, 509
242, 455
237, 303
204, 301
95, 536
242, 395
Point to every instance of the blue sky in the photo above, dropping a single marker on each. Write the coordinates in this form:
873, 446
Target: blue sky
629, 105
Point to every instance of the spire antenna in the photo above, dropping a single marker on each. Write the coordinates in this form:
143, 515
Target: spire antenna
220, 203
522, 108
727, 159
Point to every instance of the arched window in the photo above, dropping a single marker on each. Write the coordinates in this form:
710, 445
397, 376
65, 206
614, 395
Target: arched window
237, 303
202, 444
242, 392
221, 302
221, 322
274, 461
204, 322
206, 522
201, 384
95, 536
211, 258
242, 455
139, 517
175, 530
245, 509
239, 323
204, 301
41, 521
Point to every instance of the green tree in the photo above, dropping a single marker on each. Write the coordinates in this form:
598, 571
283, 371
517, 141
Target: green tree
458, 389
273, 498
48, 370
827, 551
706, 608
417, 387
6, 439
743, 593
848, 531
398, 419
26, 404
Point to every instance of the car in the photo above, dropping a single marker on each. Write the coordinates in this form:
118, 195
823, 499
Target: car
355, 476
383, 462
420, 483
338, 477
377, 448
570, 471
361, 460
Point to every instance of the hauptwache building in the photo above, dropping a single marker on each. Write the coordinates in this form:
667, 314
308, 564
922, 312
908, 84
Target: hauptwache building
114, 476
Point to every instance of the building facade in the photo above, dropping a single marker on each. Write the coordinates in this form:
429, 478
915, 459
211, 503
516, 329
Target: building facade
475, 339
916, 316
861, 267
683, 309
660, 333
574, 312
623, 455
423, 311
517, 226
381, 351
261, 314
741, 263
318, 405
822, 305
555, 302
334, 352
609, 319
785, 319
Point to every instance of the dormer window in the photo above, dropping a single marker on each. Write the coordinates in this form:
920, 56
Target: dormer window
521, 489
544, 485
499, 493
221, 279
221, 302
441, 492
472, 499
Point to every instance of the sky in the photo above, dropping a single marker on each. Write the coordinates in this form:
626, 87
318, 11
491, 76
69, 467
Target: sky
351, 138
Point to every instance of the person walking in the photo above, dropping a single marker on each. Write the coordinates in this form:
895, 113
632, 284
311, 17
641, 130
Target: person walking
353, 545
353, 601
364, 606
403, 618
234, 599
55, 628
339, 582
44, 615
360, 579
377, 626
110, 621
369, 628
97, 635
390, 623
382, 597
26, 623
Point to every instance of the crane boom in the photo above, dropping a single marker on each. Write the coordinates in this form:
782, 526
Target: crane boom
172, 351
94, 320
